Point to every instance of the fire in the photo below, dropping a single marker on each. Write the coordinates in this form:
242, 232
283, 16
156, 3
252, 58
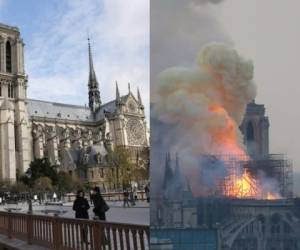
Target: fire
272, 196
245, 186
226, 135
238, 185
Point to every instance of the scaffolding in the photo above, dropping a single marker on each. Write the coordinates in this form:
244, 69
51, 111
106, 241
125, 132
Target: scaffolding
242, 175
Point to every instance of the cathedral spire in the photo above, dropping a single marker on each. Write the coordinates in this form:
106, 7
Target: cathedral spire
94, 93
140, 99
129, 90
118, 99
168, 175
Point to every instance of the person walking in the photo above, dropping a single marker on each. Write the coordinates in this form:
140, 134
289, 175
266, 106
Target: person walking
132, 201
100, 206
147, 192
81, 207
126, 198
91, 196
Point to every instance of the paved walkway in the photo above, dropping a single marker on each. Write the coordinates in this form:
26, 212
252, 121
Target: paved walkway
138, 214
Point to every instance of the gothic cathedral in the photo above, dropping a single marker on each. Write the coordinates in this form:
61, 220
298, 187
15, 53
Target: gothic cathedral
71, 137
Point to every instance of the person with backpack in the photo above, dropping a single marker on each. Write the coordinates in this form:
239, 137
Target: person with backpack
100, 206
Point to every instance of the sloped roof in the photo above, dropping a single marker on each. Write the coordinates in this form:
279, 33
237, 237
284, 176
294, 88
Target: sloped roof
52, 110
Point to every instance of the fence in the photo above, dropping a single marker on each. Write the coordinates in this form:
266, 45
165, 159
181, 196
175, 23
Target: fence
66, 233
112, 196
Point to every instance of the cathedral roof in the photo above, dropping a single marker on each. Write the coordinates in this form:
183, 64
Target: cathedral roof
54, 110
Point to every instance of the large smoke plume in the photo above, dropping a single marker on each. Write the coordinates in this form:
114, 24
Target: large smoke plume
198, 111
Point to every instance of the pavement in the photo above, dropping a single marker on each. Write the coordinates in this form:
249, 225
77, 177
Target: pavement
138, 214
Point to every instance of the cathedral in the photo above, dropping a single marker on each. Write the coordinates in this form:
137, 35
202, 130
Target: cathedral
76, 139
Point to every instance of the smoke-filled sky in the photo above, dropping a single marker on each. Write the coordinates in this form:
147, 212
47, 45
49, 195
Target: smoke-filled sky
265, 31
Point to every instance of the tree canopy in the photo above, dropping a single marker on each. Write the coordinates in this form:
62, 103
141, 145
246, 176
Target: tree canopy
37, 169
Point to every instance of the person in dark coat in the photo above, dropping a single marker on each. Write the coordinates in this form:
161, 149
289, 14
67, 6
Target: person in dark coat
126, 198
81, 207
147, 192
100, 206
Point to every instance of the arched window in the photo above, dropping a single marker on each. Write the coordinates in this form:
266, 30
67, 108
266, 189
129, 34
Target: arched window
8, 57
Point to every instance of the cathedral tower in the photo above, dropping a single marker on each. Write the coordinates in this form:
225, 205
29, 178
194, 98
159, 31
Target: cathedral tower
14, 117
255, 128
94, 93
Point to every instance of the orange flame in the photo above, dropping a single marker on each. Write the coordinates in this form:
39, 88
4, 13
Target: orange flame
226, 135
244, 185
272, 196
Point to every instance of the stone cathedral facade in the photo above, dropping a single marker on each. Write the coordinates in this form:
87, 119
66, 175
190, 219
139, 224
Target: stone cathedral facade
77, 139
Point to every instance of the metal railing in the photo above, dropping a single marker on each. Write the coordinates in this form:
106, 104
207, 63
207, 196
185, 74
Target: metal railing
112, 196
66, 233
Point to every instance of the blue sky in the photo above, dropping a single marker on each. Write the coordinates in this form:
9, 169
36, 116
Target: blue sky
55, 34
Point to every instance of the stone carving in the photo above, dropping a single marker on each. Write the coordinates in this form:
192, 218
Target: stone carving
98, 158
37, 131
85, 159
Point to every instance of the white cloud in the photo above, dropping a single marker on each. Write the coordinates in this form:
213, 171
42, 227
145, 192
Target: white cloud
57, 61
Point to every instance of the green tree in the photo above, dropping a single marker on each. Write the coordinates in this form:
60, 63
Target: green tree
39, 168
121, 159
68, 183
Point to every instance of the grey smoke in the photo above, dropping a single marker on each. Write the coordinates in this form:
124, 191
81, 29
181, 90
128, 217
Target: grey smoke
212, 171
208, 1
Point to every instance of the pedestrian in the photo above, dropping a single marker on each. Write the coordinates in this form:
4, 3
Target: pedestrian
147, 192
135, 194
132, 201
81, 207
91, 196
100, 206
126, 198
